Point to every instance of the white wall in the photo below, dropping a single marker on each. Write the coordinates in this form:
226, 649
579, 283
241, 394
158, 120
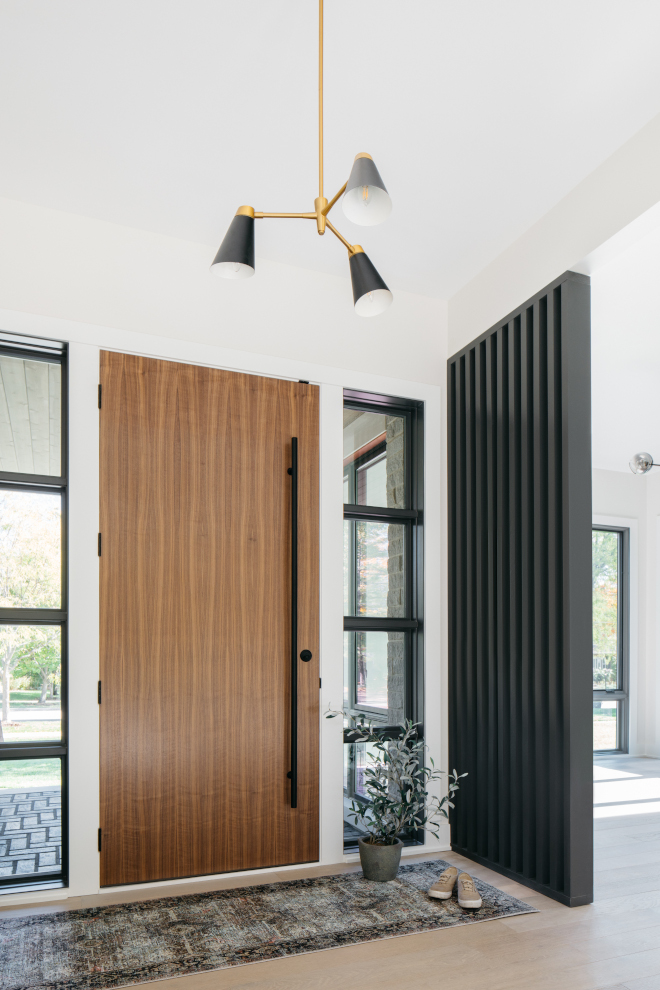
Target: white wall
628, 500
620, 500
79, 269
618, 493
625, 353
613, 196
155, 297
652, 617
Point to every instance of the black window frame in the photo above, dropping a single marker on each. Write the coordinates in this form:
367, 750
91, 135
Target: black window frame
412, 518
621, 693
37, 349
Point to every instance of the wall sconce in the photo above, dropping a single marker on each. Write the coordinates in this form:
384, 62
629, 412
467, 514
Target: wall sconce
642, 463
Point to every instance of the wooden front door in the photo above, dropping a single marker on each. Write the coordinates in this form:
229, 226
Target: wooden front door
196, 629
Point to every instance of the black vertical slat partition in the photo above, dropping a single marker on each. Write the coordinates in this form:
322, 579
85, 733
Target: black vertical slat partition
520, 594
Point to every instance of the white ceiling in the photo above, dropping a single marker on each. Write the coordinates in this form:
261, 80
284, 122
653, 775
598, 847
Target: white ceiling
168, 114
626, 356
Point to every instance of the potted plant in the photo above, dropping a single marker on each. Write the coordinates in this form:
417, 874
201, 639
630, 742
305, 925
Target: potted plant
396, 781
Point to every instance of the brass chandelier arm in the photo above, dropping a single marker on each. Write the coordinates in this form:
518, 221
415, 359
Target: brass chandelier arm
334, 200
351, 249
293, 216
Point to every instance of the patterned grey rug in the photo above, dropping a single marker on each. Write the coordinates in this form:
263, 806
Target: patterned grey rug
150, 940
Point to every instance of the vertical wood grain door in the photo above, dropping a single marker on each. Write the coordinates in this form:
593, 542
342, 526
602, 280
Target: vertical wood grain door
196, 635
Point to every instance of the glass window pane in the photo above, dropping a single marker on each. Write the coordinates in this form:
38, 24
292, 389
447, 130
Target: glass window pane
371, 481
377, 660
349, 566
30, 817
605, 558
376, 585
371, 669
30, 550
31, 667
30, 416
348, 647
354, 763
365, 753
606, 715
357, 757
374, 459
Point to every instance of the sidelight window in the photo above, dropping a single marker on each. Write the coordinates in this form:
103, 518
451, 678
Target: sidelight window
382, 573
610, 555
33, 602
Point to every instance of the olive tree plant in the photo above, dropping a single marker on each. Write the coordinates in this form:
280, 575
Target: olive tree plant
397, 782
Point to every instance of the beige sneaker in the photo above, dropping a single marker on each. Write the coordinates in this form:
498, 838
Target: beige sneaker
444, 885
468, 895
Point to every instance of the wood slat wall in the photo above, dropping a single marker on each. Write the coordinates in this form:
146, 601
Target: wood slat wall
520, 593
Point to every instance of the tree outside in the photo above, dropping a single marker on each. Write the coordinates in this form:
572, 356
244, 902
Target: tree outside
605, 560
605, 589
30, 577
40, 661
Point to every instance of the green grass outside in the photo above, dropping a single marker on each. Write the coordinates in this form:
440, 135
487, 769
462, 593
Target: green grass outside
28, 699
27, 731
29, 774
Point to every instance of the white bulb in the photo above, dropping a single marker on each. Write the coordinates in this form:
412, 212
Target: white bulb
373, 303
366, 205
232, 269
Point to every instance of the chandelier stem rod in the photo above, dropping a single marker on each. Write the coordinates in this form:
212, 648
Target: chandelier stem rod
320, 98
342, 239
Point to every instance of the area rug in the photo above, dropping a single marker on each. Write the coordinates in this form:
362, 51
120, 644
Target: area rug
174, 936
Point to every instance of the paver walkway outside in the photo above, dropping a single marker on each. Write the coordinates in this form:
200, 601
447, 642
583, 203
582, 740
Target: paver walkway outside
30, 832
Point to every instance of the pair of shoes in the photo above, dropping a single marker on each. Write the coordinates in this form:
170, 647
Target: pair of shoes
468, 895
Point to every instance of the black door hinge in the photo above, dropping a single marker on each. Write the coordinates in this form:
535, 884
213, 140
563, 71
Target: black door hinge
99, 692
99, 544
319, 683
100, 389
100, 834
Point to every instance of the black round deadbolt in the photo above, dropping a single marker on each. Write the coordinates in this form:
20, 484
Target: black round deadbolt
306, 655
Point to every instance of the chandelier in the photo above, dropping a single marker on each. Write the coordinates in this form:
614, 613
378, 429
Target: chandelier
365, 201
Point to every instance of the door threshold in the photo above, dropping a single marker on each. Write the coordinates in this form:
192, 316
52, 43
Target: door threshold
210, 878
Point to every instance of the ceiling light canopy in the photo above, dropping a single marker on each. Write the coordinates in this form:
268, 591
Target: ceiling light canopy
366, 202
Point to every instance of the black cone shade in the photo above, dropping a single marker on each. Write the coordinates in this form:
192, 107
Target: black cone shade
370, 294
366, 200
235, 257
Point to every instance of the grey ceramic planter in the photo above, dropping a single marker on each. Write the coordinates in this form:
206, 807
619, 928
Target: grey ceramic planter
380, 862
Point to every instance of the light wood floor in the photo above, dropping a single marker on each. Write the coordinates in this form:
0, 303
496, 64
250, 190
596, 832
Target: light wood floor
612, 944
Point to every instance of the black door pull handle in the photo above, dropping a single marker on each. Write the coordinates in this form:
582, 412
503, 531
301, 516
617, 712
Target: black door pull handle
306, 656
293, 772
